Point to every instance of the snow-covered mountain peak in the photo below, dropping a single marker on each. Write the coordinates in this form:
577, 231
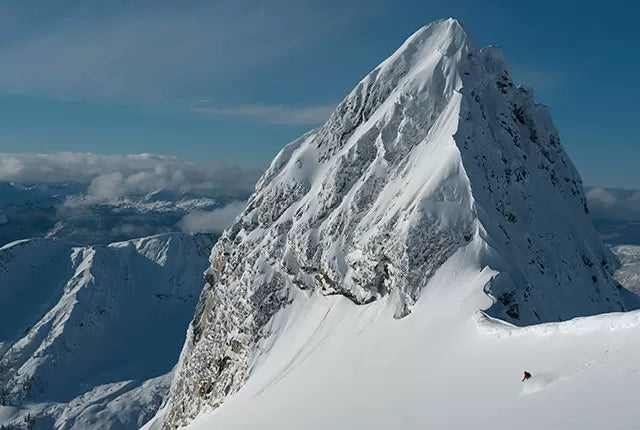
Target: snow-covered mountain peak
446, 37
436, 165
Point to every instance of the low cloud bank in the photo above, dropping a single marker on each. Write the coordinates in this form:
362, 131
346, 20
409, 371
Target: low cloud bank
113, 176
613, 203
212, 221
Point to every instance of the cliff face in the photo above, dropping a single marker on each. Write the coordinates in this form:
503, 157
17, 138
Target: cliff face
434, 151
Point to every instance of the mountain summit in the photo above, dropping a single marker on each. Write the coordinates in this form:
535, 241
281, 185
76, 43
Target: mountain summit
436, 164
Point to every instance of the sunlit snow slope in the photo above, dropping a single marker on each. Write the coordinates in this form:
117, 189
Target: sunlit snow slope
435, 160
88, 335
331, 364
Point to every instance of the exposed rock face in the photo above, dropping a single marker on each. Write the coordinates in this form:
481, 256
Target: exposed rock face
435, 149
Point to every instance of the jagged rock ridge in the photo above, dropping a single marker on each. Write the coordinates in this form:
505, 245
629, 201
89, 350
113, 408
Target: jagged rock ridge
433, 151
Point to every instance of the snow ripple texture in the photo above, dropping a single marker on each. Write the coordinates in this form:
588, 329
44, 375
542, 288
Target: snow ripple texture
435, 150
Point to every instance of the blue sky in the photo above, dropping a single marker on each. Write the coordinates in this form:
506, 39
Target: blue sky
235, 81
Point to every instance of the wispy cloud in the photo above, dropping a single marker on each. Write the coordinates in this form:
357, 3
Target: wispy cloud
270, 114
212, 221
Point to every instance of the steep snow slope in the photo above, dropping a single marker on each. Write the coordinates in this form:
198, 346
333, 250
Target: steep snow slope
331, 364
434, 153
88, 334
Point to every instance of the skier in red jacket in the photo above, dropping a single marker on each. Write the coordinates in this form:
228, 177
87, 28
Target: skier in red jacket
526, 376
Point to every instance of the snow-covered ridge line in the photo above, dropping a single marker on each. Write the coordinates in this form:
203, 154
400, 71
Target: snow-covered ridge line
89, 335
614, 321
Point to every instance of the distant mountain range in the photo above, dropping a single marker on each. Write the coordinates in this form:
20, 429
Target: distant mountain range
68, 212
89, 335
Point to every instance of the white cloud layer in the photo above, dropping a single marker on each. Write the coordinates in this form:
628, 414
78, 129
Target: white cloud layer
212, 221
601, 197
614, 203
113, 176
271, 114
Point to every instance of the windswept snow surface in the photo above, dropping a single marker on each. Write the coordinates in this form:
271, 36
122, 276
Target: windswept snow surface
331, 364
435, 160
89, 335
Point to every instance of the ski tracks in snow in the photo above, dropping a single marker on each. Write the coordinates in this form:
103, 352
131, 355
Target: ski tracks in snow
307, 349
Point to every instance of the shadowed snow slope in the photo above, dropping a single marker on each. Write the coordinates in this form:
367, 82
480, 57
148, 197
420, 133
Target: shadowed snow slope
89, 334
435, 157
